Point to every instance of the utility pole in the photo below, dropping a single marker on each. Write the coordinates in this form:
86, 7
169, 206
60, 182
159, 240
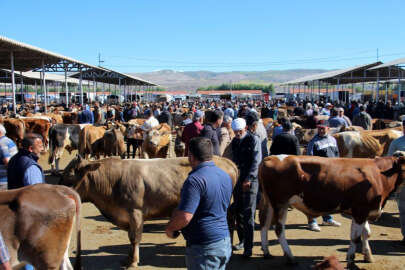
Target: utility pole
99, 60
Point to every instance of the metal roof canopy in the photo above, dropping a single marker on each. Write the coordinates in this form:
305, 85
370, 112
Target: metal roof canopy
23, 57
109, 76
397, 62
342, 76
31, 77
28, 57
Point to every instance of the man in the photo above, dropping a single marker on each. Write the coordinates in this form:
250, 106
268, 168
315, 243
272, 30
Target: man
4, 255
150, 122
7, 150
299, 110
399, 145
341, 113
226, 134
202, 212
286, 142
210, 130
86, 116
23, 168
336, 121
363, 119
256, 127
229, 111
322, 145
193, 129
326, 109
246, 153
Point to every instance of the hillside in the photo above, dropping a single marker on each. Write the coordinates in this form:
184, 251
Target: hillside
191, 80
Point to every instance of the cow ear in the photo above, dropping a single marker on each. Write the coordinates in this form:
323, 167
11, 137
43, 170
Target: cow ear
91, 167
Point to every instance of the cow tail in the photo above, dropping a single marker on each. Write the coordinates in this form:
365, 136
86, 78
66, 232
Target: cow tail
78, 261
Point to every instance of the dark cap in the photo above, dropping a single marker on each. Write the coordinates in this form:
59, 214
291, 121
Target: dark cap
251, 118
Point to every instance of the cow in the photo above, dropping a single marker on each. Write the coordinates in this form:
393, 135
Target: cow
329, 263
39, 126
61, 137
367, 143
179, 146
37, 223
318, 186
15, 128
114, 144
129, 191
91, 141
70, 117
134, 137
157, 141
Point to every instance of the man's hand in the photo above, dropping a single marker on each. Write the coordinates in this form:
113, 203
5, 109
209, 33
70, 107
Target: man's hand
172, 234
246, 186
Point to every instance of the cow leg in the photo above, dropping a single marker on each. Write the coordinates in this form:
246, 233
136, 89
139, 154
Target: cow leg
135, 236
365, 235
265, 217
281, 216
355, 235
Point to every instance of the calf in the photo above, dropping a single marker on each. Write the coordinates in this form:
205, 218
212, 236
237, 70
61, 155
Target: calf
320, 186
91, 141
114, 144
157, 141
61, 137
36, 224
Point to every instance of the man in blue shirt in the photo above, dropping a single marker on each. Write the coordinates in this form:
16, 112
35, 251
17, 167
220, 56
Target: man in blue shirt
7, 150
202, 212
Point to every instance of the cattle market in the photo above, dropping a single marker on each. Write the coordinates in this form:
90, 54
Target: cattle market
115, 152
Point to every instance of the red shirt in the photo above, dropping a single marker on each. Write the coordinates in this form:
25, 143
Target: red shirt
190, 131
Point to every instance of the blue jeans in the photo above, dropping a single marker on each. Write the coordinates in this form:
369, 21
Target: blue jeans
211, 256
325, 219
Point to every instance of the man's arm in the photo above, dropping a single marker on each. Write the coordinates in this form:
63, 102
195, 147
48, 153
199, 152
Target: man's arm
257, 158
392, 148
32, 176
178, 221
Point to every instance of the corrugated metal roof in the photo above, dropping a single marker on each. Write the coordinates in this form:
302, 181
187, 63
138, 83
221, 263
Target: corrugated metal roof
396, 62
28, 57
224, 92
331, 74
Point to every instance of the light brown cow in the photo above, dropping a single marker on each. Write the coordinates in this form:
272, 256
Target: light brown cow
128, 192
157, 141
91, 141
36, 224
367, 143
319, 186
114, 144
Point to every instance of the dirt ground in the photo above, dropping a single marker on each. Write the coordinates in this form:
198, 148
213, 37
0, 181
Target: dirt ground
104, 246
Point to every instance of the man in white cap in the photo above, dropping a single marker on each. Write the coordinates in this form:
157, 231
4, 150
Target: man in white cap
247, 155
326, 109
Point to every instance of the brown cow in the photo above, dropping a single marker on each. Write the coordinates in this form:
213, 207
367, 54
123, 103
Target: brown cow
39, 126
129, 191
318, 186
70, 117
157, 141
91, 141
36, 224
134, 137
15, 128
179, 146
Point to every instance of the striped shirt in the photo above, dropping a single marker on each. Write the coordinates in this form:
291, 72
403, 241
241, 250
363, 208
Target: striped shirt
4, 256
7, 150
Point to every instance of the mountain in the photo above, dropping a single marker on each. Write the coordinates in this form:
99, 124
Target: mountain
191, 80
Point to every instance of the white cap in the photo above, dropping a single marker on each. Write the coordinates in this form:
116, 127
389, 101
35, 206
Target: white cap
238, 124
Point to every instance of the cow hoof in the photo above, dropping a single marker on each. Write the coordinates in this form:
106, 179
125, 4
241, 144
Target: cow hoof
368, 258
268, 256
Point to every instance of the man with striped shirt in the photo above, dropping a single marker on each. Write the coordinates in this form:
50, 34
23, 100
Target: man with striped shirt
7, 150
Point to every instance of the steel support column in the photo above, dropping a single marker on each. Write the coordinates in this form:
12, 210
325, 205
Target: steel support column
66, 89
13, 81
81, 87
44, 86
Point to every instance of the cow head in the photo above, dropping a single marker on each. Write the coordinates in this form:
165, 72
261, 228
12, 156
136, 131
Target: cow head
75, 175
153, 138
119, 141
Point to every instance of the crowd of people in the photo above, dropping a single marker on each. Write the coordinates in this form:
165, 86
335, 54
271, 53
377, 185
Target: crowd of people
236, 127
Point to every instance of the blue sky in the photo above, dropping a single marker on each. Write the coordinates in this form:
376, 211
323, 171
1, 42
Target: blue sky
221, 35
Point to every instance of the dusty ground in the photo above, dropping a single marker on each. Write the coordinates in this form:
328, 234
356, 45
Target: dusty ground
104, 246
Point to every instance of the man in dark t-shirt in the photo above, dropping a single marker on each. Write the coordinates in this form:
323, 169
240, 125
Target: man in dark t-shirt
201, 215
